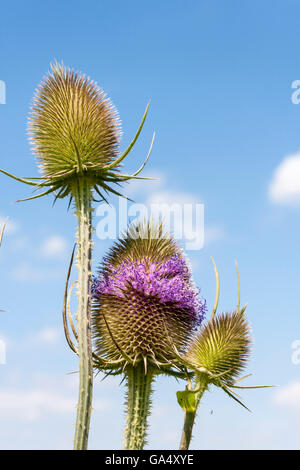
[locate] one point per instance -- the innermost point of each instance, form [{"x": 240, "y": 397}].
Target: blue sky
[{"x": 219, "y": 77}]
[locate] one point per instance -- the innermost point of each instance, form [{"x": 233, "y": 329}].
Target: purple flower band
[{"x": 170, "y": 281}]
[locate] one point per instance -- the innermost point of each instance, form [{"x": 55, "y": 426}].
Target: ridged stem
[
  {"x": 82, "y": 196},
  {"x": 189, "y": 418},
  {"x": 138, "y": 406}
]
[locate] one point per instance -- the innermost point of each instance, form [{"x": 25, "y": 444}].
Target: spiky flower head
[
  {"x": 73, "y": 125},
  {"x": 75, "y": 132},
  {"x": 221, "y": 349},
  {"x": 145, "y": 300}
]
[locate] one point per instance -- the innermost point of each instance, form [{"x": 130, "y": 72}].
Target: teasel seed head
[
  {"x": 221, "y": 349},
  {"x": 73, "y": 126},
  {"x": 75, "y": 134},
  {"x": 145, "y": 302}
]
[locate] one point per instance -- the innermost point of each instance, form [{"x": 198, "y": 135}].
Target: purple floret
[{"x": 169, "y": 281}]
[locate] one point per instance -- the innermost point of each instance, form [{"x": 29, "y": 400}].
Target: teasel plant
[
  {"x": 216, "y": 357},
  {"x": 143, "y": 289},
  {"x": 75, "y": 134}
]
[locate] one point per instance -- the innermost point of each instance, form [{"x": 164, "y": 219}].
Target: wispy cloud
[
  {"x": 30, "y": 273},
  {"x": 137, "y": 187},
  {"x": 284, "y": 187},
  {"x": 48, "y": 335},
  {"x": 213, "y": 233},
  {"x": 289, "y": 396},
  {"x": 31, "y": 404},
  {"x": 42, "y": 399},
  {"x": 54, "y": 246},
  {"x": 172, "y": 197}
]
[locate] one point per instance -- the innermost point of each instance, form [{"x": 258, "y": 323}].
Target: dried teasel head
[{"x": 145, "y": 302}]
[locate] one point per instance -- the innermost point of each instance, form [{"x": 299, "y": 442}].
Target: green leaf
[{"x": 187, "y": 400}]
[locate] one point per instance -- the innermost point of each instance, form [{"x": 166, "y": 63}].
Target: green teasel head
[
  {"x": 74, "y": 131},
  {"x": 73, "y": 126},
  {"x": 145, "y": 302},
  {"x": 220, "y": 351},
  {"x": 217, "y": 356}
]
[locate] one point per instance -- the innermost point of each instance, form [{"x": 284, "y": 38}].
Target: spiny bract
[
  {"x": 145, "y": 300},
  {"x": 221, "y": 348}
]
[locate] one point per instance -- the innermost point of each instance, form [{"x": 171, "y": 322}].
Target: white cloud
[
  {"x": 54, "y": 246},
  {"x": 289, "y": 396},
  {"x": 285, "y": 185},
  {"x": 29, "y": 273},
  {"x": 32, "y": 341},
  {"x": 48, "y": 335},
  {"x": 26, "y": 272},
  {"x": 101, "y": 405},
  {"x": 172, "y": 197},
  {"x": 213, "y": 233},
  {"x": 34, "y": 403},
  {"x": 137, "y": 187},
  {"x": 31, "y": 404}
]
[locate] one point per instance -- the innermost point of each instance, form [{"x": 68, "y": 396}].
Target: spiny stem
[
  {"x": 83, "y": 197},
  {"x": 139, "y": 393},
  {"x": 189, "y": 418}
]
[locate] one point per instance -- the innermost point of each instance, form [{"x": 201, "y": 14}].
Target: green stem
[
  {"x": 82, "y": 196},
  {"x": 139, "y": 393},
  {"x": 189, "y": 418}
]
